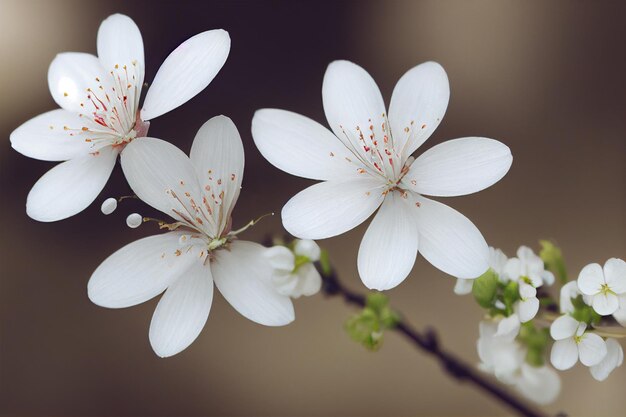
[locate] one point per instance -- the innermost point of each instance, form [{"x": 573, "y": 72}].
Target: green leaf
[
  {"x": 485, "y": 289},
  {"x": 553, "y": 258},
  {"x": 510, "y": 296},
  {"x": 325, "y": 263}
]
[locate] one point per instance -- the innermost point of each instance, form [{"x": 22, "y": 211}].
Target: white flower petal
[
  {"x": 527, "y": 290},
  {"x": 614, "y": 358},
  {"x": 591, "y": 279},
  {"x": 539, "y": 384},
  {"x": 527, "y": 309},
  {"x": 620, "y": 314},
  {"x": 120, "y": 43},
  {"x": 152, "y": 167},
  {"x": 459, "y": 167},
  {"x": 70, "y": 187},
  {"x": 331, "y": 208},
  {"x": 45, "y": 137},
  {"x": 301, "y": 146},
  {"x": 389, "y": 247},
  {"x": 186, "y": 72},
  {"x": 243, "y": 276},
  {"x": 182, "y": 311},
  {"x": 569, "y": 291},
  {"x": 351, "y": 98},
  {"x": 70, "y": 75},
  {"x": 450, "y": 241},
  {"x": 418, "y": 102},
  {"x": 463, "y": 286},
  {"x": 508, "y": 328},
  {"x": 308, "y": 248},
  {"x": 615, "y": 275},
  {"x": 513, "y": 268},
  {"x": 592, "y": 349},
  {"x": 563, "y": 327},
  {"x": 281, "y": 258},
  {"x": 547, "y": 278},
  {"x": 217, "y": 156},
  {"x": 564, "y": 354},
  {"x": 605, "y": 304},
  {"x": 309, "y": 280},
  {"x": 138, "y": 271},
  {"x": 497, "y": 262}
]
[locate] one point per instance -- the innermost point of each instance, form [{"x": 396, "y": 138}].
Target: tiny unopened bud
[
  {"x": 134, "y": 220},
  {"x": 108, "y": 206}
]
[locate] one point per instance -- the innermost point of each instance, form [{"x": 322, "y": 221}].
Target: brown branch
[{"x": 429, "y": 343}]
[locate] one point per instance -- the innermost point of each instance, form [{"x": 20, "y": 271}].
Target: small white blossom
[
  {"x": 604, "y": 285},
  {"x": 100, "y": 115},
  {"x": 528, "y": 264},
  {"x": 528, "y": 305},
  {"x": 365, "y": 166},
  {"x": 540, "y": 384},
  {"x": 497, "y": 261},
  {"x": 294, "y": 273},
  {"x": 613, "y": 359},
  {"x": 500, "y": 356},
  {"x": 201, "y": 249},
  {"x": 573, "y": 342}
]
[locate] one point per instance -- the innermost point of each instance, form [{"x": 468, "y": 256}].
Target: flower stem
[{"x": 429, "y": 343}]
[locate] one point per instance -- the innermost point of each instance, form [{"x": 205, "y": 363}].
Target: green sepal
[
  {"x": 368, "y": 326},
  {"x": 485, "y": 289}
]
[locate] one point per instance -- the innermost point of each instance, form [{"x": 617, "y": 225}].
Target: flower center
[{"x": 606, "y": 290}]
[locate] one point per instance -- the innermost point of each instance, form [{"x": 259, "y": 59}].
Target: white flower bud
[
  {"x": 134, "y": 220},
  {"x": 108, "y": 206}
]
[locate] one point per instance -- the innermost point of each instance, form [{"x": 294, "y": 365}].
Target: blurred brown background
[{"x": 546, "y": 78}]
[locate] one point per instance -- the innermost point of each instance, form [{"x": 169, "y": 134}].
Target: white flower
[
  {"x": 540, "y": 384},
  {"x": 366, "y": 165},
  {"x": 99, "y": 99},
  {"x": 528, "y": 265},
  {"x": 613, "y": 359},
  {"x": 500, "y": 356},
  {"x": 199, "y": 192},
  {"x": 620, "y": 313},
  {"x": 573, "y": 342},
  {"x": 604, "y": 286},
  {"x": 294, "y": 272},
  {"x": 528, "y": 305}
]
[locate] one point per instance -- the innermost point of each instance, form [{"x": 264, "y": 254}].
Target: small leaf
[
  {"x": 325, "y": 263},
  {"x": 485, "y": 289},
  {"x": 553, "y": 258}
]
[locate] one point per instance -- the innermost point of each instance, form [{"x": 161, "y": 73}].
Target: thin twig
[{"x": 429, "y": 342}]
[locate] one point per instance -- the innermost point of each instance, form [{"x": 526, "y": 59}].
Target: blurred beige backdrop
[{"x": 546, "y": 78}]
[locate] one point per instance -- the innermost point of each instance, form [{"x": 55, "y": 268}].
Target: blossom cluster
[{"x": 523, "y": 319}]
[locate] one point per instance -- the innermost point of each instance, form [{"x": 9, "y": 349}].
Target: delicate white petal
[
  {"x": 154, "y": 169},
  {"x": 389, "y": 247},
  {"x": 591, "y": 279},
  {"x": 68, "y": 188},
  {"x": 351, "y": 98},
  {"x": 281, "y": 258},
  {"x": 309, "y": 280},
  {"x": 308, "y": 248},
  {"x": 614, "y": 358},
  {"x": 497, "y": 262},
  {"x": 463, "y": 286},
  {"x": 243, "y": 276},
  {"x": 450, "y": 241},
  {"x": 592, "y": 349},
  {"x": 569, "y": 291},
  {"x": 539, "y": 384},
  {"x": 564, "y": 354},
  {"x": 217, "y": 156},
  {"x": 331, "y": 208},
  {"x": 527, "y": 309},
  {"x": 605, "y": 304},
  {"x": 182, "y": 311},
  {"x": 620, "y": 314},
  {"x": 70, "y": 75},
  {"x": 138, "y": 271},
  {"x": 120, "y": 43},
  {"x": 186, "y": 72},
  {"x": 508, "y": 328},
  {"x": 563, "y": 327},
  {"x": 527, "y": 290},
  {"x": 52, "y": 136},
  {"x": 615, "y": 275},
  {"x": 301, "y": 146},
  {"x": 418, "y": 102},
  {"x": 547, "y": 277},
  {"x": 513, "y": 268},
  {"x": 459, "y": 167}
]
